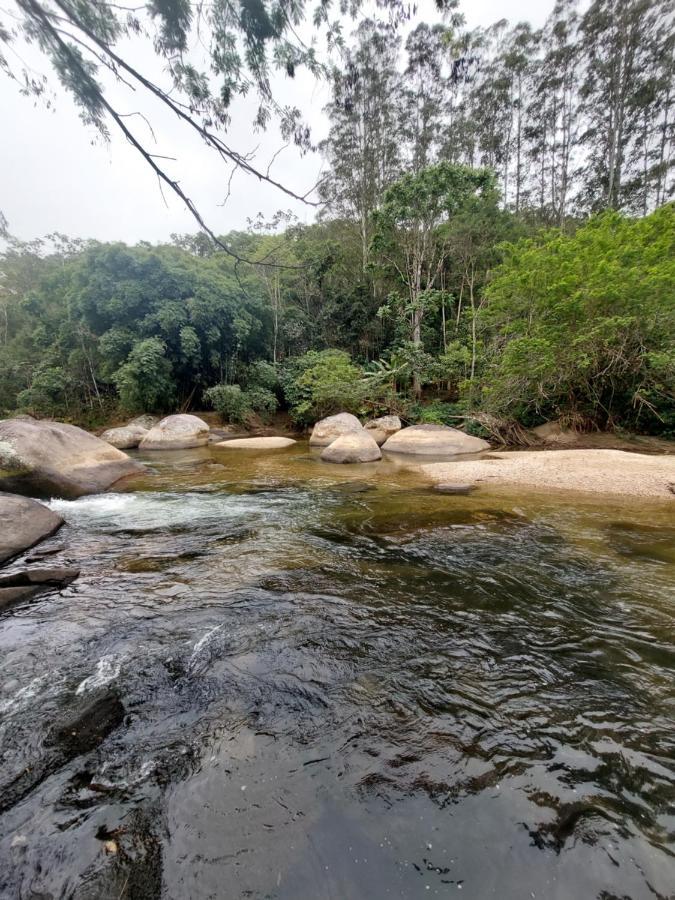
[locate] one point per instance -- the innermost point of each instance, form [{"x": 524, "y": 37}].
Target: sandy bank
[{"x": 591, "y": 471}]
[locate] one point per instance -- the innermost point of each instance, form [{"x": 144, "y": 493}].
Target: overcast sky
[{"x": 58, "y": 175}]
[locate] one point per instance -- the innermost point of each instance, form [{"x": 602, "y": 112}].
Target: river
[{"x": 332, "y": 682}]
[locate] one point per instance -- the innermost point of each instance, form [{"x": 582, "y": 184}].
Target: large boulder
[
  {"x": 25, "y": 523},
  {"x": 125, "y": 437},
  {"x": 353, "y": 447},
  {"x": 257, "y": 443},
  {"x": 180, "y": 432},
  {"x": 327, "y": 430},
  {"x": 381, "y": 429},
  {"x": 51, "y": 458},
  {"x": 434, "y": 440}
]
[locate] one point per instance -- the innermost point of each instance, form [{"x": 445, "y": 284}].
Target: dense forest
[{"x": 496, "y": 244}]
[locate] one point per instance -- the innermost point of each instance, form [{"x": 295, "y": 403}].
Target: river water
[{"x": 331, "y": 682}]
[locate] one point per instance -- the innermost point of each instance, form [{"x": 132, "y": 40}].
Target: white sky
[{"x": 58, "y": 175}]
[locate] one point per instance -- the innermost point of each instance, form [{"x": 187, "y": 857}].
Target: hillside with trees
[{"x": 496, "y": 241}]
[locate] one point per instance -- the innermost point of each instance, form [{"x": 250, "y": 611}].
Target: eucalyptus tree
[
  {"x": 209, "y": 55},
  {"x": 363, "y": 147},
  {"x": 619, "y": 38},
  {"x": 553, "y": 114},
  {"x": 424, "y": 92},
  {"x": 410, "y": 243}
]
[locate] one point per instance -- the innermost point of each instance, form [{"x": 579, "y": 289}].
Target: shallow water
[{"x": 339, "y": 684}]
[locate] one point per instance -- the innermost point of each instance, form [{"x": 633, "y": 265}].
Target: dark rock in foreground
[
  {"x": 25, "y": 523},
  {"x": 54, "y": 459},
  {"x": 78, "y": 731},
  {"x": 21, "y": 585},
  {"x": 87, "y": 724}
]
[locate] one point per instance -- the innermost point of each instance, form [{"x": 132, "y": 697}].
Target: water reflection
[{"x": 336, "y": 683}]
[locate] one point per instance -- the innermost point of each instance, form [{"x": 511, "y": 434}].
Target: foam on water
[
  {"x": 142, "y": 511},
  {"x": 107, "y": 670}
]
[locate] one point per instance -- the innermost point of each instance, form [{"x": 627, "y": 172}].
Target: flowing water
[{"x": 311, "y": 681}]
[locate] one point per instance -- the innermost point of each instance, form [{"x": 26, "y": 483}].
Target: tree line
[{"x": 495, "y": 247}]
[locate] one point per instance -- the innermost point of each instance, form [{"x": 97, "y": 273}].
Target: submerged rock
[
  {"x": 448, "y": 488},
  {"x": 55, "y": 459},
  {"x": 329, "y": 429},
  {"x": 83, "y": 727},
  {"x": 25, "y": 522},
  {"x": 257, "y": 443},
  {"x": 358, "y": 447},
  {"x": 434, "y": 440},
  {"x": 381, "y": 429},
  {"x": 180, "y": 432},
  {"x": 125, "y": 437}
]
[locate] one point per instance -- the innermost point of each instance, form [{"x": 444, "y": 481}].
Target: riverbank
[{"x": 615, "y": 472}]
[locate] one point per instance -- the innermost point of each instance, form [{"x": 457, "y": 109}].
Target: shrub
[
  {"x": 46, "y": 394},
  {"x": 585, "y": 324},
  {"x": 321, "y": 383},
  {"x": 230, "y": 402},
  {"x": 144, "y": 382},
  {"x": 261, "y": 374},
  {"x": 262, "y": 401}
]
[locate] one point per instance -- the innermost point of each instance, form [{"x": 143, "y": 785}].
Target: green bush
[
  {"x": 144, "y": 382},
  {"x": 47, "y": 392},
  {"x": 230, "y": 402},
  {"x": 262, "y": 401},
  {"x": 584, "y": 324},
  {"x": 261, "y": 374},
  {"x": 320, "y": 383}
]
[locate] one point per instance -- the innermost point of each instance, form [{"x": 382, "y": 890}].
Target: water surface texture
[{"x": 330, "y": 682}]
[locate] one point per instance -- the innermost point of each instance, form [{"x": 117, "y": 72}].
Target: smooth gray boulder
[
  {"x": 24, "y": 523},
  {"x": 381, "y": 429},
  {"x": 257, "y": 443},
  {"x": 55, "y": 459},
  {"x": 126, "y": 437},
  {"x": 179, "y": 432},
  {"x": 329, "y": 429},
  {"x": 145, "y": 421},
  {"x": 355, "y": 447},
  {"x": 434, "y": 440}
]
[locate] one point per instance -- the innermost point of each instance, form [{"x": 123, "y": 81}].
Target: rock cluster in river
[
  {"x": 55, "y": 459},
  {"x": 346, "y": 440}
]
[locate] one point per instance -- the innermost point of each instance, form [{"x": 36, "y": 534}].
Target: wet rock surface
[{"x": 311, "y": 691}]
